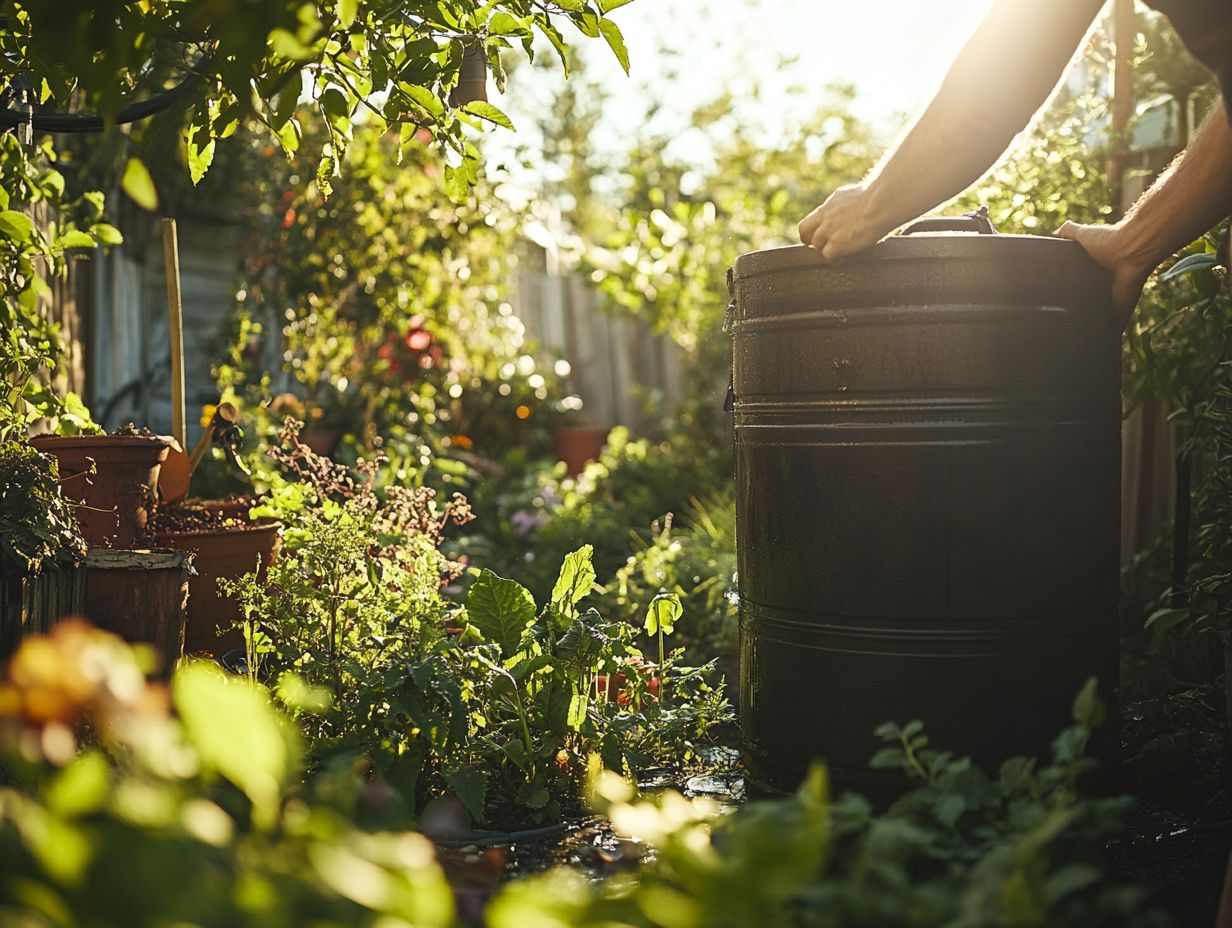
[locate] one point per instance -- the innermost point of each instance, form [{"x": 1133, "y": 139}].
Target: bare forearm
[
  {"x": 1005, "y": 72},
  {"x": 1193, "y": 194}
]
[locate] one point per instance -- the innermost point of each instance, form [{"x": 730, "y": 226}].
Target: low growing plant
[
  {"x": 125, "y": 804},
  {"x": 502, "y": 704},
  {"x": 963, "y": 849},
  {"x": 37, "y": 527}
]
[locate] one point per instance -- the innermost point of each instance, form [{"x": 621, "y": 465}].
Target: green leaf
[
  {"x": 139, "y": 185},
  {"x": 75, "y": 238},
  {"x": 81, "y": 787},
  {"x": 286, "y": 44},
  {"x": 887, "y": 759},
  {"x": 581, "y": 642},
  {"x": 199, "y": 159},
  {"x": 503, "y": 23},
  {"x": 299, "y": 694},
  {"x": 949, "y": 809},
  {"x": 457, "y": 185},
  {"x": 577, "y": 710},
  {"x": 17, "y": 226},
  {"x": 533, "y": 795},
  {"x": 606, "y": 6},
  {"x": 106, "y": 234},
  {"x": 237, "y": 733},
  {"x": 665, "y": 610},
  {"x": 346, "y": 12},
  {"x": 501, "y": 609},
  {"x": 1088, "y": 707},
  {"x": 1162, "y": 620},
  {"x": 423, "y": 97},
  {"x": 470, "y": 785},
  {"x": 616, "y": 40},
  {"x": 576, "y": 579},
  {"x": 489, "y": 112}
]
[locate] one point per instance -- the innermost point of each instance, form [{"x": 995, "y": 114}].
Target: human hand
[
  {"x": 1107, "y": 246},
  {"x": 841, "y": 225}
]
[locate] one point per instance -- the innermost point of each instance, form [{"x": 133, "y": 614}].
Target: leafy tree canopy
[{"x": 399, "y": 62}]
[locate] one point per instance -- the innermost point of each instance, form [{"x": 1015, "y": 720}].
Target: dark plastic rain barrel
[{"x": 928, "y": 482}]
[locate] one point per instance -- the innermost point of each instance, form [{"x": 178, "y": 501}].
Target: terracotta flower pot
[
  {"x": 226, "y": 551},
  {"x": 619, "y": 690},
  {"x": 324, "y": 441},
  {"x": 578, "y": 445},
  {"x": 115, "y": 497}
]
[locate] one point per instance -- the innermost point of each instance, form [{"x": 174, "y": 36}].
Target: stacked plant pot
[
  {"x": 137, "y": 593},
  {"x": 227, "y": 544},
  {"x": 113, "y": 478}
]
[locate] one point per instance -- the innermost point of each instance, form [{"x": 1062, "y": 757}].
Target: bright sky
[
  {"x": 685, "y": 52},
  {"x": 894, "y": 51}
]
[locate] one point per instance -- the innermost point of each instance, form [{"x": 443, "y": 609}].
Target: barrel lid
[{"x": 925, "y": 246}]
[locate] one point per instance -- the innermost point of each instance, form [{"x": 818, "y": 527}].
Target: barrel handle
[{"x": 974, "y": 221}]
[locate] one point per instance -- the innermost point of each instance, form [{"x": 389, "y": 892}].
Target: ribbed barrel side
[{"x": 928, "y": 466}]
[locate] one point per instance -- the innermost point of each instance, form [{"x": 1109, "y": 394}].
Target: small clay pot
[
  {"x": 115, "y": 498},
  {"x": 324, "y": 441},
  {"x": 578, "y": 445},
  {"x": 226, "y": 551}
]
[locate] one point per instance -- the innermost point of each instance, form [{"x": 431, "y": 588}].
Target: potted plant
[
  {"x": 227, "y": 544},
  {"x": 40, "y": 546},
  {"x": 112, "y": 477},
  {"x": 578, "y": 444}
]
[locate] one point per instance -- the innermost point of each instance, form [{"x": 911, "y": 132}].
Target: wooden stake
[
  {"x": 1124, "y": 28},
  {"x": 175, "y": 326}
]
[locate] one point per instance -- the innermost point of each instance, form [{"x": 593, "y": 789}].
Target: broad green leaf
[
  {"x": 576, "y": 579},
  {"x": 587, "y": 24},
  {"x": 139, "y": 185},
  {"x": 287, "y": 44},
  {"x": 17, "y": 226},
  {"x": 606, "y": 6},
  {"x": 237, "y": 732},
  {"x": 1161, "y": 620},
  {"x": 534, "y": 795},
  {"x": 75, "y": 238},
  {"x": 299, "y": 694},
  {"x": 503, "y": 23},
  {"x": 424, "y": 97},
  {"x": 1088, "y": 707},
  {"x": 199, "y": 159},
  {"x": 334, "y": 102},
  {"x": 558, "y": 43},
  {"x": 457, "y": 186},
  {"x": 346, "y": 12},
  {"x": 581, "y": 642},
  {"x": 81, "y": 787},
  {"x": 616, "y": 40},
  {"x": 577, "y": 710},
  {"x": 470, "y": 785},
  {"x": 501, "y": 609},
  {"x": 489, "y": 112},
  {"x": 665, "y": 610}
]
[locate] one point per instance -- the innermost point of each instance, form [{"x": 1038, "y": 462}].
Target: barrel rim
[{"x": 921, "y": 246}]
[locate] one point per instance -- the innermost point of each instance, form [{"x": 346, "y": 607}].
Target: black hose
[{"x": 92, "y": 122}]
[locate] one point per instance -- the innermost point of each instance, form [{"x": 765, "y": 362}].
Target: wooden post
[
  {"x": 1124, "y": 28},
  {"x": 175, "y": 326}
]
